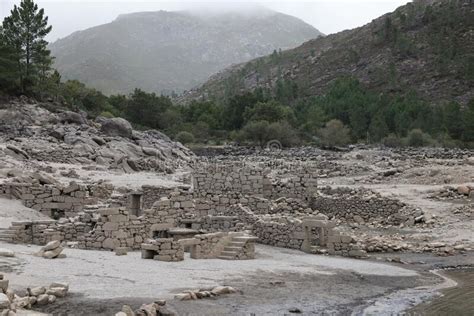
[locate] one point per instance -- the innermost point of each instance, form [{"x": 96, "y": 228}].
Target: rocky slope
[
  {"x": 426, "y": 45},
  {"x": 43, "y": 132},
  {"x": 165, "y": 51}
]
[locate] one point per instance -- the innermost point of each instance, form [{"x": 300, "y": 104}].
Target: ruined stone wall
[
  {"x": 162, "y": 249},
  {"x": 353, "y": 206},
  {"x": 222, "y": 178},
  {"x": 209, "y": 246},
  {"x": 55, "y": 200},
  {"x": 41, "y": 232},
  {"x": 151, "y": 194},
  {"x": 302, "y": 185}
]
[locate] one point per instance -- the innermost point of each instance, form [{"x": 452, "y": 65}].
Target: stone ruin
[{"x": 283, "y": 209}]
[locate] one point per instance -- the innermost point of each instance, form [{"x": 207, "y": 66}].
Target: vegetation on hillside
[{"x": 347, "y": 112}]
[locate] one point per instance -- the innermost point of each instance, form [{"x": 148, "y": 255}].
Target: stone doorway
[{"x": 135, "y": 203}]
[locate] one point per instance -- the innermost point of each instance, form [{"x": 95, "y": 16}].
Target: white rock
[
  {"x": 4, "y": 301},
  {"x": 6, "y": 253}
]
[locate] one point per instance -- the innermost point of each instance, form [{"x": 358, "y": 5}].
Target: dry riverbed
[{"x": 277, "y": 281}]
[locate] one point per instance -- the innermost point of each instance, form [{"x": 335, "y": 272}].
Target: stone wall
[
  {"x": 52, "y": 200},
  {"x": 249, "y": 180},
  {"x": 222, "y": 178},
  {"x": 162, "y": 249},
  {"x": 209, "y": 246},
  {"x": 41, "y": 232},
  {"x": 359, "y": 206},
  {"x": 151, "y": 194}
]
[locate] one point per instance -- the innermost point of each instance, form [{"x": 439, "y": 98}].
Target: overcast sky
[{"x": 329, "y": 16}]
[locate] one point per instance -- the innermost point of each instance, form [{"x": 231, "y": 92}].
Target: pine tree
[
  {"x": 8, "y": 69},
  {"x": 25, "y": 30}
]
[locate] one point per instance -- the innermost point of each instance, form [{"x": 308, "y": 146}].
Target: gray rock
[
  {"x": 117, "y": 127},
  {"x": 72, "y": 118}
]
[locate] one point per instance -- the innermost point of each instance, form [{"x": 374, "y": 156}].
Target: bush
[
  {"x": 392, "y": 141},
  {"x": 185, "y": 137},
  {"x": 284, "y": 133},
  {"x": 417, "y": 138},
  {"x": 106, "y": 114},
  {"x": 334, "y": 134}
]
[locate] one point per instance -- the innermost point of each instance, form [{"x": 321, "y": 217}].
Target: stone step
[
  {"x": 243, "y": 238},
  {"x": 237, "y": 244},
  {"x": 229, "y": 253},
  {"x": 226, "y": 257},
  {"x": 232, "y": 248}
]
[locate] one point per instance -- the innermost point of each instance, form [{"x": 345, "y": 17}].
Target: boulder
[
  {"x": 44, "y": 178},
  {"x": 43, "y": 299},
  {"x": 37, "y": 291},
  {"x": 6, "y": 253},
  {"x": 116, "y": 127},
  {"x": 4, "y": 301},
  {"x": 51, "y": 245},
  {"x": 57, "y": 291},
  {"x": 53, "y": 253},
  {"x": 219, "y": 290},
  {"x": 72, "y": 118},
  {"x": 463, "y": 189},
  {"x": 127, "y": 310}
]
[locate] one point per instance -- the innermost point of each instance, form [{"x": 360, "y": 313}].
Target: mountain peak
[{"x": 166, "y": 51}]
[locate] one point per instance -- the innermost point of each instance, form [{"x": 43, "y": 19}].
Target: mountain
[
  {"x": 426, "y": 46},
  {"x": 173, "y": 51}
]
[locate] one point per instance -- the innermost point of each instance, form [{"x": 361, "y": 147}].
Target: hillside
[
  {"x": 172, "y": 51},
  {"x": 426, "y": 46}
]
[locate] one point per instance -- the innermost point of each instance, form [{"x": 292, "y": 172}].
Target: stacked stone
[
  {"x": 151, "y": 194},
  {"x": 162, "y": 249},
  {"x": 50, "y": 198},
  {"x": 302, "y": 185},
  {"x": 361, "y": 207},
  {"x": 209, "y": 245},
  {"x": 115, "y": 228},
  {"x": 222, "y": 223},
  {"x": 10, "y": 302},
  {"x": 223, "y": 178},
  {"x": 285, "y": 235}
]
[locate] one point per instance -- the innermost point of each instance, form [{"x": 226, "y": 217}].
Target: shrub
[
  {"x": 185, "y": 137},
  {"x": 334, "y": 134},
  {"x": 106, "y": 114},
  {"x": 392, "y": 140},
  {"x": 417, "y": 138}
]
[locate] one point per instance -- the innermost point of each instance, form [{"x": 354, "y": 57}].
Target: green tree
[
  {"x": 25, "y": 30},
  {"x": 185, "y": 137},
  {"x": 146, "y": 109},
  {"x": 468, "y": 123},
  {"x": 8, "y": 65},
  {"x": 271, "y": 111},
  {"x": 334, "y": 134},
  {"x": 256, "y": 132}
]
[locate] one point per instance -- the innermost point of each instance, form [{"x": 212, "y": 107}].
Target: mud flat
[
  {"x": 455, "y": 300},
  {"x": 277, "y": 281}
]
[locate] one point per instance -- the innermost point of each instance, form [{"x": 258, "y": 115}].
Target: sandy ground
[
  {"x": 14, "y": 210},
  {"x": 100, "y": 281}
]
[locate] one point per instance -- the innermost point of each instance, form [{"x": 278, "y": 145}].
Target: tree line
[{"x": 346, "y": 113}]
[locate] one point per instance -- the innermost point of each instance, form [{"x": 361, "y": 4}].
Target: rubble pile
[
  {"x": 11, "y": 303},
  {"x": 157, "y": 308},
  {"x": 204, "y": 293}
]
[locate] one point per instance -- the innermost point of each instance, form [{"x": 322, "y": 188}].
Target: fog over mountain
[
  {"x": 328, "y": 16},
  {"x": 172, "y": 51}
]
